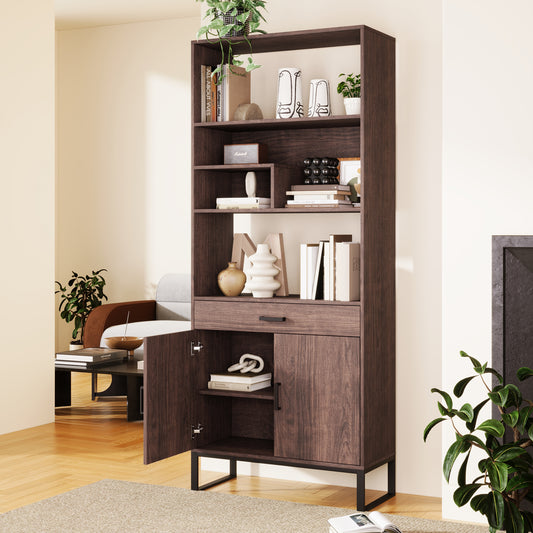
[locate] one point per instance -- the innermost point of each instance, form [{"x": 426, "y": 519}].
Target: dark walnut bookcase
[{"x": 332, "y": 404}]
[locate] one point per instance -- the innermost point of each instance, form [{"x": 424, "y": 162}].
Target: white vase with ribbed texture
[{"x": 262, "y": 272}]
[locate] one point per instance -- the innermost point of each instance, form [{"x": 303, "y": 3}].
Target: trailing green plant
[
  {"x": 351, "y": 86},
  {"x": 505, "y": 482},
  {"x": 246, "y": 18},
  {"x": 79, "y": 297}
]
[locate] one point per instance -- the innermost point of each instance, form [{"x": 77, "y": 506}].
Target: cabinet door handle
[
  {"x": 277, "y": 406},
  {"x": 272, "y": 318}
]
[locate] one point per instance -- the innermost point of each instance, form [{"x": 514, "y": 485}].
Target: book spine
[
  {"x": 214, "y": 100},
  {"x": 203, "y": 102},
  {"x": 207, "y": 90},
  {"x": 303, "y": 271},
  {"x": 348, "y": 268},
  {"x": 219, "y": 101}
]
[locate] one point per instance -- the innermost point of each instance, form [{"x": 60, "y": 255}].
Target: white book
[
  {"x": 244, "y": 387},
  {"x": 237, "y": 377},
  {"x": 373, "y": 522},
  {"x": 348, "y": 271},
  {"x": 91, "y": 355},
  {"x": 328, "y": 202},
  {"x": 326, "y": 266},
  {"x": 303, "y": 271},
  {"x": 308, "y": 258},
  {"x": 333, "y": 240},
  {"x": 236, "y": 200},
  {"x": 317, "y": 292},
  {"x": 306, "y": 198}
]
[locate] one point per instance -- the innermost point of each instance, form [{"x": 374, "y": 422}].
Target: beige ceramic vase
[{"x": 231, "y": 280}]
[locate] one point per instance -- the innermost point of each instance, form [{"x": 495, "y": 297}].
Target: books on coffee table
[{"x": 89, "y": 357}]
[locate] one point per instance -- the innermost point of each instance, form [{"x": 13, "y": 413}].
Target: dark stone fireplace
[{"x": 512, "y": 307}]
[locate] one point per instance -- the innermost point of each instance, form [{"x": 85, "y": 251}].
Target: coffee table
[{"x": 130, "y": 372}]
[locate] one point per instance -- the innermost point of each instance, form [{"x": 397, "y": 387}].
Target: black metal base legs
[
  {"x": 195, "y": 473},
  {"x": 391, "y": 488},
  {"x": 361, "y": 503}
]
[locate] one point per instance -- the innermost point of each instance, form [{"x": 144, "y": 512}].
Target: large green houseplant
[
  {"x": 505, "y": 480},
  {"x": 79, "y": 296},
  {"x": 227, "y": 20}
]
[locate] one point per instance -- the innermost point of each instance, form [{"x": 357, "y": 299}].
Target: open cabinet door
[{"x": 168, "y": 395}]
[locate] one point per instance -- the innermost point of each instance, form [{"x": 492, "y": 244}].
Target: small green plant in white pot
[{"x": 350, "y": 88}]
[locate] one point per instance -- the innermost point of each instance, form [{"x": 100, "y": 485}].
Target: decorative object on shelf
[
  {"x": 289, "y": 93},
  {"x": 321, "y": 170},
  {"x": 248, "y": 112},
  {"x": 124, "y": 343},
  {"x": 78, "y": 298},
  {"x": 262, "y": 272},
  {"x": 231, "y": 280},
  {"x": 506, "y": 467},
  {"x": 319, "y": 103},
  {"x": 244, "y": 154},
  {"x": 226, "y": 20},
  {"x": 250, "y": 184},
  {"x": 244, "y": 247},
  {"x": 350, "y": 174},
  {"x": 350, "y": 88},
  {"x": 248, "y": 362}
]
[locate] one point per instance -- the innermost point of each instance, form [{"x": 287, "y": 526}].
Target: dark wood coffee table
[{"x": 127, "y": 370}]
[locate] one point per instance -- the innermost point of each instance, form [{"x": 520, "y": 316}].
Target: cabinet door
[
  {"x": 168, "y": 368},
  {"x": 318, "y": 417}
]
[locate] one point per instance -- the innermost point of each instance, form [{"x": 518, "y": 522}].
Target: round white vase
[
  {"x": 262, "y": 272},
  {"x": 352, "y": 106}
]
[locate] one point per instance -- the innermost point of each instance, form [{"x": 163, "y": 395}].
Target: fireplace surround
[{"x": 512, "y": 307}]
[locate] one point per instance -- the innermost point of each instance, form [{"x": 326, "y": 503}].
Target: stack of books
[
  {"x": 89, "y": 357},
  {"x": 220, "y": 100},
  {"x": 245, "y": 202},
  {"x": 325, "y": 195},
  {"x": 330, "y": 269},
  {"x": 247, "y": 382}
]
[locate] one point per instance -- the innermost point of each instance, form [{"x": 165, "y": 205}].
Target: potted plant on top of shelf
[
  {"x": 78, "y": 298},
  {"x": 350, "y": 88},
  {"x": 227, "y": 19},
  {"x": 503, "y": 488}
]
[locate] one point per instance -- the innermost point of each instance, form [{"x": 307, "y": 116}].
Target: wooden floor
[{"x": 91, "y": 441}]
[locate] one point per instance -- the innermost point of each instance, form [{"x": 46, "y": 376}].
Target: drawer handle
[{"x": 273, "y": 318}]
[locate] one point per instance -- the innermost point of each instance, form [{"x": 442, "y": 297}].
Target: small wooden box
[{"x": 242, "y": 154}]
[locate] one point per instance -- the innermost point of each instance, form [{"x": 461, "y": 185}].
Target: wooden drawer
[{"x": 302, "y": 318}]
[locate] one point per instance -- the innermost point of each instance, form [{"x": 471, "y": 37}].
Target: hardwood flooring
[{"x": 90, "y": 441}]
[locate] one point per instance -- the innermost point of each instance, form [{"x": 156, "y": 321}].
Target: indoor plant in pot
[
  {"x": 505, "y": 481},
  {"x": 227, "y": 20},
  {"x": 350, "y": 88},
  {"x": 78, "y": 298}
]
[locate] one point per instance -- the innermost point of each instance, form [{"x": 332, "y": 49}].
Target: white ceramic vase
[
  {"x": 289, "y": 93},
  {"x": 319, "y": 105},
  {"x": 262, "y": 272},
  {"x": 352, "y": 106}
]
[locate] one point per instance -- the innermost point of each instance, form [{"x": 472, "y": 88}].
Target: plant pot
[
  {"x": 352, "y": 106},
  {"x": 232, "y": 19},
  {"x": 75, "y": 345}
]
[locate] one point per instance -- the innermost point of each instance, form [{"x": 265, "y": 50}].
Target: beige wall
[
  {"x": 27, "y": 214},
  {"x": 487, "y": 172},
  {"x": 124, "y": 155}
]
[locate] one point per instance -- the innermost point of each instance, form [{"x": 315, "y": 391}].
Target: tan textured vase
[{"x": 231, "y": 280}]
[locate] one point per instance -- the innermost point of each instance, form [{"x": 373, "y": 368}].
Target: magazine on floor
[{"x": 373, "y": 522}]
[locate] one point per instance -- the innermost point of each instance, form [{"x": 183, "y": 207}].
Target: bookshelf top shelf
[
  {"x": 296, "y": 40},
  {"x": 283, "y": 124}
]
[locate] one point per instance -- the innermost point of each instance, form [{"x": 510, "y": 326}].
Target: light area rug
[{"x": 121, "y": 506}]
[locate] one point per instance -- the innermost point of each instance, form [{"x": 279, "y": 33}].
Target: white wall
[
  {"x": 417, "y": 26},
  {"x": 124, "y": 155},
  {"x": 27, "y": 214},
  {"x": 487, "y": 170}
]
